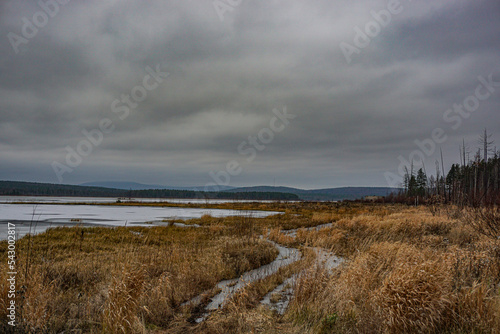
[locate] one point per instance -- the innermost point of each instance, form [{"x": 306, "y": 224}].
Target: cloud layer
[{"x": 353, "y": 119}]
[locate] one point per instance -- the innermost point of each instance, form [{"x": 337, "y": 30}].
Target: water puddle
[
  {"x": 293, "y": 233},
  {"x": 285, "y": 257},
  {"x": 229, "y": 287},
  {"x": 280, "y": 297}
]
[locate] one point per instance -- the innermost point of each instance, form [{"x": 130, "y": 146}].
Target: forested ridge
[{"x": 15, "y": 188}]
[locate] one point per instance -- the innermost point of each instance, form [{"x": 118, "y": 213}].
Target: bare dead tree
[{"x": 486, "y": 142}]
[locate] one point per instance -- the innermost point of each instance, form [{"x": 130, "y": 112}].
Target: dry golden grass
[
  {"x": 407, "y": 270},
  {"x": 123, "y": 280},
  {"x": 120, "y": 312}
]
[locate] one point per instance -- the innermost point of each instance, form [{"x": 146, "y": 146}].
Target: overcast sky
[{"x": 350, "y": 108}]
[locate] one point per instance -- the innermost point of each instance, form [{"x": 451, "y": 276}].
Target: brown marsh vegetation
[{"x": 406, "y": 269}]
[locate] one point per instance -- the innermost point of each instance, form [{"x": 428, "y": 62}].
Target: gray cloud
[{"x": 353, "y": 120}]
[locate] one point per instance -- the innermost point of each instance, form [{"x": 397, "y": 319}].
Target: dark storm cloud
[
  {"x": 455, "y": 30},
  {"x": 352, "y": 121}
]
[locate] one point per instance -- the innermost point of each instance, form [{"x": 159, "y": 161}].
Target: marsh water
[{"x": 47, "y": 213}]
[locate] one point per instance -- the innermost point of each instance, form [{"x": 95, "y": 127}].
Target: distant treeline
[
  {"x": 13, "y": 188},
  {"x": 471, "y": 182}
]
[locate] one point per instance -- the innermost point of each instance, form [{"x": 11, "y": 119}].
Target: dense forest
[
  {"x": 471, "y": 182},
  {"x": 13, "y": 188},
  {"x": 328, "y": 194}
]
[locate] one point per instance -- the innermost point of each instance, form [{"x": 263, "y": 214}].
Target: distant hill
[
  {"x": 138, "y": 190},
  {"x": 328, "y": 194},
  {"x": 122, "y": 185},
  {"x": 14, "y": 188},
  {"x": 139, "y": 186}
]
